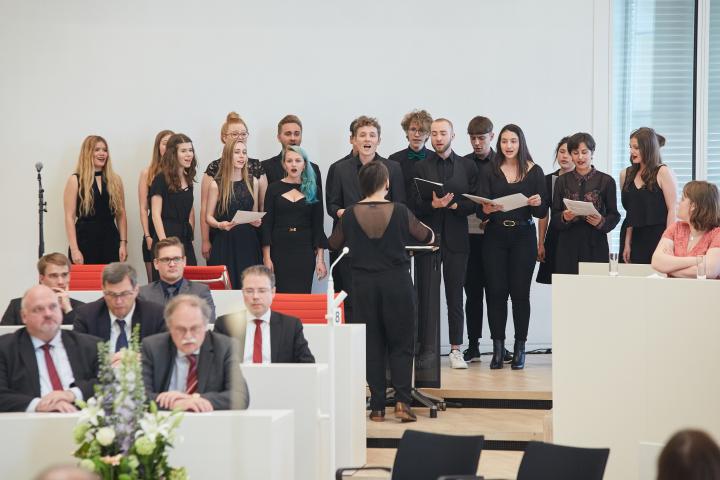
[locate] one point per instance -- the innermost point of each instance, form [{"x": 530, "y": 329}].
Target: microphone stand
[{"x": 41, "y": 211}]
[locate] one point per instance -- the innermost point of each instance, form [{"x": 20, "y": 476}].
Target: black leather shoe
[
  {"x": 498, "y": 351},
  {"x": 377, "y": 415},
  {"x": 472, "y": 354},
  {"x": 518, "y": 362},
  {"x": 508, "y": 356}
]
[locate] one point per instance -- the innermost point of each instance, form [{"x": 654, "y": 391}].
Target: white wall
[{"x": 126, "y": 70}]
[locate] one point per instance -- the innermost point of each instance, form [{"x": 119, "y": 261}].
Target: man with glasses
[
  {"x": 170, "y": 264},
  {"x": 114, "y": 316},
  {"x": 416, "y": 125},
  {"x": 54, "y": 272},
  {"x": 264, "y": 336}
]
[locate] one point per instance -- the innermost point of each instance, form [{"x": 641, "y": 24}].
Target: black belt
[{"x": 513, "y": 223}]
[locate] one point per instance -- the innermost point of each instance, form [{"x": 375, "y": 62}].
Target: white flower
[
  {"x": 91, "y": 413},
  {"x": 105, "y": 436}
]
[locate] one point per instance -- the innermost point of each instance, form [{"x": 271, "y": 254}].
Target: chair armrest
[{"x": 340, "y": 471}]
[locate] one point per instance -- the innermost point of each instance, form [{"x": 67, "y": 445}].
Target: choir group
[{"x": 485, "y": 248}]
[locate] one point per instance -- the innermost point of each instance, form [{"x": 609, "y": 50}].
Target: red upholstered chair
[
  {"x": 86, "y": 277},
  {"x": 215, "y": 276},
  {"x": 309, "y": 308}
]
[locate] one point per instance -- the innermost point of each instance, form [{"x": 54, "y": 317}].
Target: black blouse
[
  {"x": 494, "y": 185},
  {"x": 596, "y": 187},
  {"x": 282, "y": 213},
  {"x": 644, "y": 207},
  {"x": 176, "y": 206},
  {"x": 101, "y": 203},
  {"x": 254, "y": 167}
]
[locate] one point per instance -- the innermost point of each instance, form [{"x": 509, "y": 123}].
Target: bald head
[{"x": 41, "y": 312}]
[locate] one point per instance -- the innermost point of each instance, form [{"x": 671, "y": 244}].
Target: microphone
[
  {"x": 38, "y": 166},
  {"x": 343, "y": 252}
]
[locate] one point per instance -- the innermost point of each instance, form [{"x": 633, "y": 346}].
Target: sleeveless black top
[{"x": 644, "y": 207}]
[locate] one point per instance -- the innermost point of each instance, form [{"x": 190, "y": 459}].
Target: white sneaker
[{"x": 456, "y": 359}]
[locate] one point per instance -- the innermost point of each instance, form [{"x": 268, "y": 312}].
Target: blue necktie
[{"x": 122, "y": 340}]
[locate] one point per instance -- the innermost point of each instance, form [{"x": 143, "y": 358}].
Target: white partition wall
[
  {"x": 219, "y": 445},
  {"x": 634, "y": 360}
]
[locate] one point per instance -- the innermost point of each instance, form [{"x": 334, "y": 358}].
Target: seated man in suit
[
  {"x": 170, "y": 264},
  {"x": 44, "y": 368},
  {"x": 270, "y": 337},
  {"x": 190, "y": 368},
  {"x": 114, "y": 316},
  {"x": 54, "y": 272}
]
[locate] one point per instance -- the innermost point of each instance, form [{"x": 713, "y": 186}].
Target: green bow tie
[{"x": 413, "y": 155}]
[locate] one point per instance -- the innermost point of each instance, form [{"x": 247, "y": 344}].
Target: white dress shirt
[
  {"x": 115, "y": 328},
  {"x": 178, "y": 379},
  {"x": 250, "y": 338},
  {"x": 62, "y": 365}
]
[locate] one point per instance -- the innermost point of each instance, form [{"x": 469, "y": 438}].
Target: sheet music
[
  {"x": 581, "y": 209},
  {"x": 475, "y": 225},
  {"x": 242, "y": 216},
  {"x": 508, "y": 202}
]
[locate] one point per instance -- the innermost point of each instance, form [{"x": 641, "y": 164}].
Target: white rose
[{"x": 105, "y": 436}]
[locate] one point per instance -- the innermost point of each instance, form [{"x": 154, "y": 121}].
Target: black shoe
[
  {"x": 507, "y": 356},
  {"x": 497, "y": 358},
  {"x": 472, "y": 354},
  {"x": 518, "y": 362}
]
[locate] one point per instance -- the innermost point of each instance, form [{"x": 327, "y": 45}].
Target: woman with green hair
[{"x": 293, "y": 240}]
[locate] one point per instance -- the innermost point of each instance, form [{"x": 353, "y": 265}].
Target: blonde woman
[
  {"x": 94, "y": 202},
  {"x": 234, "y": 128},
  {"x": 236, "y": 246},
  {"x": 146, "y": 177}
]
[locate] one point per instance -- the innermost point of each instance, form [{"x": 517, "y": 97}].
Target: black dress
[
  {"x": 254, "y": 168},
  {"x": 97, "y": 235},
  {"x": 175, "y": 214},
  {"x": 293, "y": 230},
  {"x": 547, "y": 268},
  {"x": 646, "y": 212},
  {"x": 578, "y": 241},
  {"x": 239, "y": 247},
  {"x": 377, "y": 233}
]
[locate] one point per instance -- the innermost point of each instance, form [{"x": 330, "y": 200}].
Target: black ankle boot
[
  {"x": 518, "y": 362},
  {"x": 498, "y": 351}
]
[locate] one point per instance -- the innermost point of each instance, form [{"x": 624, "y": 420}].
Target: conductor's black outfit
[
  {"x": 377, "y": 233},
  {"x": 458, "y": 175}
]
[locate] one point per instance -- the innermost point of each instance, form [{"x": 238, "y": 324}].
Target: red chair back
[
  {"x": 309, "y": 308},
  {"x": 86, "y": 277},
  {"x": 215, "y": 276}
]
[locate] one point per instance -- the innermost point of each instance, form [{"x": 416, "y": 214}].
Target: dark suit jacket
[
  {"x": 19, "y": 377},
  {"x": 274, "y": 171},
  {"x": 287, "y": 342},
  {"x": 220, "y": 380},
  {"x": 12, "y": 313},
  {"x": 451, "y": 225},
  {"x": 94, "y": 318},
  {"x": 409, "y": 171},
  {"x": 154, "y": 292},
  {"x": 343, "y": 187}
]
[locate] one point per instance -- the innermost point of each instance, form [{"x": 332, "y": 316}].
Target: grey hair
[
  {"x": 187, "y": 299},
  {"x": 116, "y": 272}
]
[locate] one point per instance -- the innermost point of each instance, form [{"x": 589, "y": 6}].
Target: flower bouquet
[{"x": 120, "y": 437}]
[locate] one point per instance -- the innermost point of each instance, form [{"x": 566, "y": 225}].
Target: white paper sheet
[
  {"x": 509, "y": 202},
  {"x": 241, "y": 216},
  {"x": 581, "y": 209},
  {"x": 475, "y": 225}
]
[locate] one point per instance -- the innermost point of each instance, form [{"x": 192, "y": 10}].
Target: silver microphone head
[{"x": 38, "y": 166}]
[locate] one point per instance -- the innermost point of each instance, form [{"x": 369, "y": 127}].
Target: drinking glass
[
  {"x": 701, "y": 271},
  {"x": 614, "y": 264}
]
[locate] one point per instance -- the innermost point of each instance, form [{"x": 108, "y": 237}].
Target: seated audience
[
  {"x": 270, "y": 337},
  {"x": 114, "y": 316},
  {"x": 190, "y": 368},
  {"x": 54, "y": 272},
  {"x": 689, "y": 455},
  {"x": 696, "y": 233},
  {"x": 44, "y": 368},
  {"x": 169, "y": 261}
]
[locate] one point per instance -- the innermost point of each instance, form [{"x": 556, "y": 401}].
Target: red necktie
[
  {"x": 257, "y": 342},
  {"x": 52, "y": 372},
  {"x": 192, "y": 380}
]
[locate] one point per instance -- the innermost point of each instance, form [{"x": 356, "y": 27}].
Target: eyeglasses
[
  {"x": 419, "y": 131},
  {"x": 238, "y": 134},
  {"x": 114, "y": 295},
  {"x": 167, "y": 260}
]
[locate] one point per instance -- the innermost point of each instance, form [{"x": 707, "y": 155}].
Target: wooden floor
[{"x": 496, "y": 424}]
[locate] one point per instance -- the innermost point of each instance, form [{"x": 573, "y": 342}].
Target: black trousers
[
  {"x": 453, "y": 271},
  {"x": 474, "y": 289},
  {"x": 385, "y": 300},
  {"x": 509, "y": 255},
  {"x": 343, "y": 280}
]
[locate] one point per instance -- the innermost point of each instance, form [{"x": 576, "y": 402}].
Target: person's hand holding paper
[{"x": 581, "y": 209}]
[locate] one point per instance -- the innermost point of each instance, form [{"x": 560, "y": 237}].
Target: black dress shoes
[
  {"x": 498, "y": 354},
  {"x": 518, "y": 362}
]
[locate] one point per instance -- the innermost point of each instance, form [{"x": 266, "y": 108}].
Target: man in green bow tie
[{"x": 416, "y": 125}]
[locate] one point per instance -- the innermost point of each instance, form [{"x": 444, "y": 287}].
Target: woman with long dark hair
[
  {"x": 510, "y": 248},
  {"x": 94, "y": 201},
  {"x": 649, "y": 194},
  {"x": 171, "y": 194}
]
